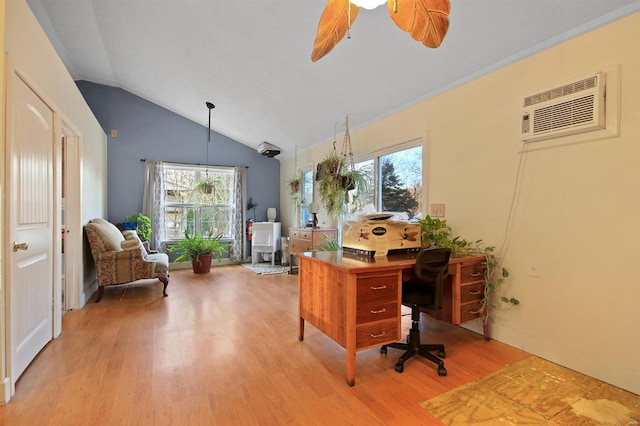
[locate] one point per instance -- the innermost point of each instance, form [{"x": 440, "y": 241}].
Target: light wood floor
[{"x": 223, "y": 349}]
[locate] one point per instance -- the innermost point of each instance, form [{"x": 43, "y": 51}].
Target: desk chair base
[{"x": 413, "y": 347}]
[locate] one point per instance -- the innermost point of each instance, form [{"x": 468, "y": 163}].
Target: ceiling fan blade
[
  {"x": 333, "y": 25},
  {"x": 426, "y": 20}
]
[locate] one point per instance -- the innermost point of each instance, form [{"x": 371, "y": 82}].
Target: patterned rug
[
  {"x": 536, "y": 391},
  {"x": 266, "y": 268}
]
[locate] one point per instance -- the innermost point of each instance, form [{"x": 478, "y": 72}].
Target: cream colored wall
[
  {"x": 33, "y": 55},
  {"x": 577, "y": 206}
]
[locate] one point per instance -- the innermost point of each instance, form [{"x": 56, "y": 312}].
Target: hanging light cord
[{"x": 210, "y": 106}]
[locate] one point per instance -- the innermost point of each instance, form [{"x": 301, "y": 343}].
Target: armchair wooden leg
[
  {"x": 100, "y": 293},
  {"x": 165, "y": 281}
]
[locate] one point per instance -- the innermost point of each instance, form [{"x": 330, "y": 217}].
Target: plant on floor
[
  {"x": 437, "y": 233},
  {"x": 198, "y": 248}
]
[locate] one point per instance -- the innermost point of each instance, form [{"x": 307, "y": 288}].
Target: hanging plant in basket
[
  {"x": 206, "y": 185},
  {"x": 336, "y": 176},
  {"x": 295, "y": 189}
]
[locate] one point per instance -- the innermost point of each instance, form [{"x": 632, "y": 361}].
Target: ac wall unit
[{"x": 570, "y": 108}]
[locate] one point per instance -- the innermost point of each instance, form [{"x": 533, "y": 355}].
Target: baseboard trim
[
  {"x": 585, "y": 363},
  {"x": 6, "y": 382}
]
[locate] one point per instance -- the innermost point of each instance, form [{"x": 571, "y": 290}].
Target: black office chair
[{"x": 425, "y": 291}]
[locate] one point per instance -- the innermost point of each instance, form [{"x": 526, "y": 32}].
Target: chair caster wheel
[
  {"x": 399, "y": 367},
  {"x": 383, "y": 350},
  {"x": 442, "y": 354},
  {"x": 442, "y": 371}
]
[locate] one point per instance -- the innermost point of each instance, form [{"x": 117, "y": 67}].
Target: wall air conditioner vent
[{"x": 567, "y": 109}]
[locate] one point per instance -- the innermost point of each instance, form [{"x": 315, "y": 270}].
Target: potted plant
[
  {"x": 142, "y": 225},
  {"x": 329, "y": 244},
  {"x": 200, "y": 250},
  {"x": 436, "y": 232},
  {"x": 335, "y": 180},
  {"x": 206, "y": 185},
  {"x": 295, "y": 185}
]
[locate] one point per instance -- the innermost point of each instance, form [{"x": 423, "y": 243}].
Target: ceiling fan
[{"x": 426, "y": 20}]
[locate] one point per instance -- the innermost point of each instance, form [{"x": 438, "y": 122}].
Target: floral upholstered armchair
[{"x": 121, "y": 258}]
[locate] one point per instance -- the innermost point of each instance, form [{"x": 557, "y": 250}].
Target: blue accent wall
[{"x": 148, "y": 131}]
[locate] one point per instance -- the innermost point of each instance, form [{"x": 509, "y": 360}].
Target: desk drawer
[
  {"x": 376, "y": 333},
  {"x": 471, "y": 273},
  {"x": 300, "y": 245},
  {"x": 470, "y": 311},
  {"x": 471, "y": 292},
  {"x": 376, "y": 311},
  {"x": 376, "y": 289},
  {"x": 306, "y": 235}
]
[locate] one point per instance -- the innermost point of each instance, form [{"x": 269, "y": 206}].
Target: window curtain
[
  {"x": 238, "y": 251},
  {"x": 153, "y": 202}
]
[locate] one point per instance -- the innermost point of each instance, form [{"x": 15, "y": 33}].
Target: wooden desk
[{"x": 356, "y": 301}]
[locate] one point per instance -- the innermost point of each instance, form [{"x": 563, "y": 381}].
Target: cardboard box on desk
[{"x": 373, "y": 237}]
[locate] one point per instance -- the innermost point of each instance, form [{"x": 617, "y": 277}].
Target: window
[
  {"x": 307, "y": 195},
  {"x": 198, "y": 199},
  {"x": 394, "y": 182}
]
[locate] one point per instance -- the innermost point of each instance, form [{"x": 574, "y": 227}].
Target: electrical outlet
[
  {"x": 437, "y": 210},
  {"x": 533, "y": 269}
]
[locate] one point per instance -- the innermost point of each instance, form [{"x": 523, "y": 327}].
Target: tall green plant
[{"x": 144, "y": 225}]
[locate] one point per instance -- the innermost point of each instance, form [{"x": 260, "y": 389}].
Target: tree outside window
[{"x": 395, "y": 183}]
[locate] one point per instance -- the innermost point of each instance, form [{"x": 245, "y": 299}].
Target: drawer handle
[
  {"x": 376, "y": 336},
  {"x": 474, "y": 274},
  {"x": 475, "y": 292},
  {"x": 474, "y": 312},
  {"x": 382, "y": 287},
  {"x": 380, "y": 311}
]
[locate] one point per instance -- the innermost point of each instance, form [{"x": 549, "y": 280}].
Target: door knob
[{"x": 20, "y": 246}]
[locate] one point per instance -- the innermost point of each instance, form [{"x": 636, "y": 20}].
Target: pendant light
[{"x": 210, "y": 106}]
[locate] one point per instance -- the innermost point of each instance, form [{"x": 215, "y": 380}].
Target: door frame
[{"x": 74, "y": 298}]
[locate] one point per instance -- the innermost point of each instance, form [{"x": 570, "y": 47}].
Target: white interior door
[{"x": 29, "y": 210}]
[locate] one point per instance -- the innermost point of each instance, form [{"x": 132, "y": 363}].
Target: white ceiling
[{"x": 252, "y": 58}]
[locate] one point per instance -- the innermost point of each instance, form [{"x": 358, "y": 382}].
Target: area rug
[
  {"x": 536, "y": 391},
  {"x": 266, "y": 268}
]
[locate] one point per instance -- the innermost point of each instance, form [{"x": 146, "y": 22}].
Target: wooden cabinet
[{"x": 308, "y": 239}]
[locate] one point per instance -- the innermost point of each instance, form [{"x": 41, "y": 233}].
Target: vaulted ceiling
[{"x": 252, "y": 58}]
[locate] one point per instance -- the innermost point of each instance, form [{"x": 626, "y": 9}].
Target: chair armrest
[{"x": 115, "y": 256}]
